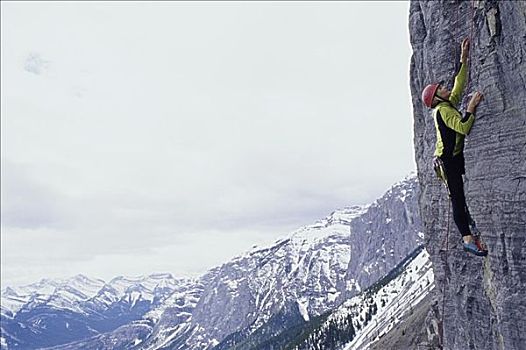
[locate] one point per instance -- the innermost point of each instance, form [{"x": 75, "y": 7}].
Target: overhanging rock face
[{"x": 480, "y": 303}]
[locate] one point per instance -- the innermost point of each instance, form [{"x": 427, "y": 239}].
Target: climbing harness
[{"x": 440, "y": 171}]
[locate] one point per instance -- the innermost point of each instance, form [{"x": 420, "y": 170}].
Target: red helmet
[{"x": 428, "y": 94}]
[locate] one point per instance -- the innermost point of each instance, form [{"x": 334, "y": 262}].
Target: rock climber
[{"x": 451, "y": 129}]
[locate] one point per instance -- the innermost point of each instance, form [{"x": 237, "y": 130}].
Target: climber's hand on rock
[
  {"x": 475, "y": 100},
  {"x": 464, "y": 50}
]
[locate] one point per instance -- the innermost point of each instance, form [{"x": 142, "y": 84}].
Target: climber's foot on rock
[{"x": 474, "y": 247}]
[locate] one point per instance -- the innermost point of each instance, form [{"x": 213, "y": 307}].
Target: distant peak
[
  {"x": 10, "y": 291},
  {"x": 161, "y": 275}
]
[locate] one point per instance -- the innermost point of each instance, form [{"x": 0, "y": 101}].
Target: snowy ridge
[
  {"x": 340, "y": 216},
  {"x": 400, "y": 189},
  {"x": 132, "y": 288},
  {"x": 81, "y": 307},
  {"x": 393, "y": 301},
  {"x": 337, "y": 223},
  {"x": 178, "y": 303},
  {"x": 365, "y": 318},
  {"x": 56, "y": 293},
  {"x": 65, "y": 294}
]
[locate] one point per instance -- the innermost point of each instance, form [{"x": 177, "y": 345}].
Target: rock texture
[
  {"x": 388, "y": 231},
  {"x": 484, "y": 298}
]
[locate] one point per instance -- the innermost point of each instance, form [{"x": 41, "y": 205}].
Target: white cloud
[{"x": 35, "y": 64}]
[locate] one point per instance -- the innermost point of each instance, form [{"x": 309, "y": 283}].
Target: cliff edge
[{"x": 479, "y": 303}]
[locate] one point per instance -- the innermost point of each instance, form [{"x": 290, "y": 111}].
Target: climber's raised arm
[
  {"x": 464, "y": 54},
  {"x": 461, "y": 78}
]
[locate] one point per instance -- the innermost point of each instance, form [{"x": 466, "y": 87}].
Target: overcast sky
[{"x": 171, "y": 136}]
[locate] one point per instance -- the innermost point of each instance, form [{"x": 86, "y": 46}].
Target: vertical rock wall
[{"x": 483, "y": 299}]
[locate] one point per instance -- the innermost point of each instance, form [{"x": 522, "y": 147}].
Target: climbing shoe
[
  {"x": 474, "y": 248},
  {"x": 480, "y": 245}
]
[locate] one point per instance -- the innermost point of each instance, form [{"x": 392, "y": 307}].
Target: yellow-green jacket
[{"x": 451, "y": 127}]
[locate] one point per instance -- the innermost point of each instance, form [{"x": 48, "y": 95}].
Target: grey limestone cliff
[
  {"x": 480, "y": 303},
  {"x": 390, "y": 229}
]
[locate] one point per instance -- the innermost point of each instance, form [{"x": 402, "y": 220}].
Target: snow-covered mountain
[
  {"x": 62, "y": 294},
  {"x": 364, "y": 319},
  {"x": 251, "y": 298},
  {"x": 312, "y": 271},
  {"x": 53, "y": 312},
  {"x": 392, "y": 299}
]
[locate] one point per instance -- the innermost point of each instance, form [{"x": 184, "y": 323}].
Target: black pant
[{"x": 454, "y": 168}]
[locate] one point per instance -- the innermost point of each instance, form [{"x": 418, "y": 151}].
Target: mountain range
[{"x": 342, "y": 282}]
